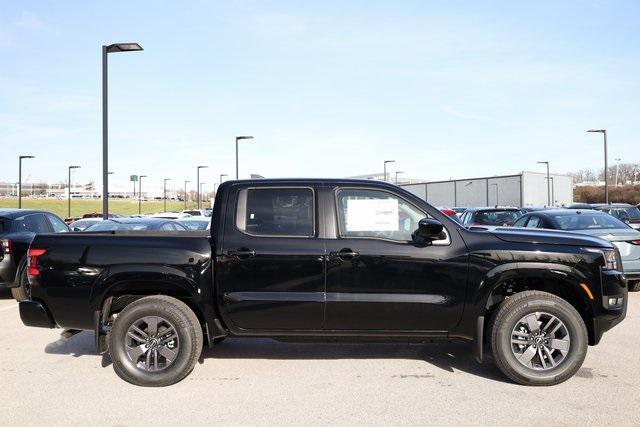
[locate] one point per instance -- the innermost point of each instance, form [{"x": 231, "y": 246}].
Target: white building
[{"x": 523, "y": 189}]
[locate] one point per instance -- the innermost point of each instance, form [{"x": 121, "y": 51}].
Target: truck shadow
[
  {"x": 5, "y": 293},
  {"x": 450, "y": 357}
]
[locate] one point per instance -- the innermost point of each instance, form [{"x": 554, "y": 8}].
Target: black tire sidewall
[
  {"x": 21, "y": 292},
  {"x": 577, "y": 349},
  {"x": 179, "y": 369}
]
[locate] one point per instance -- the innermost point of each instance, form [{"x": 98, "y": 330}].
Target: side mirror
[{"x": 429, "y": 230}]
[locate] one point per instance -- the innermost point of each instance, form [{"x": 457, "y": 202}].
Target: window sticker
[{"x": 372, "y": 215}]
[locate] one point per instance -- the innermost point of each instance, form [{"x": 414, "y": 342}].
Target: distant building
[{"x": 523, "y": 189}]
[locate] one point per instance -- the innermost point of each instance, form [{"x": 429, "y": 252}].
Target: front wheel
[
  {"x": 634, "y": 286},
  {"x": 155, "y": 341},
  {"x": 538, "y": 338}
]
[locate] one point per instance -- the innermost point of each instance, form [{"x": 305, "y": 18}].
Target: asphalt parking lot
[{"x": 46, "y": 378}]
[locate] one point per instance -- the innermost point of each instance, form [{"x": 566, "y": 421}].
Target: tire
[
  {"x": 175, "y": 316},
  {"x": 634, "y": 286},
  {"x": 541, "y": 369},
  {"x": 21, "y": 292}
]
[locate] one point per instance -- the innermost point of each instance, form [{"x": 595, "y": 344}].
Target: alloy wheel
[
  {"x": 151, "y": 343},
  {"x": 540, "y": 341}
]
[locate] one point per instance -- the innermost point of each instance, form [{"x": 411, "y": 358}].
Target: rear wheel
[
  {"x": 22, "y": 292},
  {"x": 155, "y": 341},
  {"x": 538, "y": 338}
]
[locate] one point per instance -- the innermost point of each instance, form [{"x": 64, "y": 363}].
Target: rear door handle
[
  {"x": 345, "y": 253},
  {"x": 242, "y": 253}
]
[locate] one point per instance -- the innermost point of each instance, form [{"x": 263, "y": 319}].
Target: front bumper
[
  {"x": 33, "y": 313},
  {"x": 614, "y": 285}
]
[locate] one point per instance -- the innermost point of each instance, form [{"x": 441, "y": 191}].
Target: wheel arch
[
  {"x": 506, "y": 280},
  {"x": 113, "y": 293}
]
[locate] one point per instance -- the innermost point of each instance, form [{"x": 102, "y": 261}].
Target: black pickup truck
[{"x": 303, "y": 259}]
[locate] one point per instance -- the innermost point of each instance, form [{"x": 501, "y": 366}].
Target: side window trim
[
  {"x": 240, "y": 213},
  {"x": 443, "y": 242}
]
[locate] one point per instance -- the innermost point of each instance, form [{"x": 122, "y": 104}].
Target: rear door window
[{"x": 276, "y": 212}]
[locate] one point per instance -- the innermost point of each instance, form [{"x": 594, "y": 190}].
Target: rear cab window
[{"x": 285, "y": 212}]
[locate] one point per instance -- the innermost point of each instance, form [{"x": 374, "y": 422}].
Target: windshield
[
  {"x": 110, "y": 225},
  {"x": 585, "y": 221},
  {"x": 495, "y": 217}
]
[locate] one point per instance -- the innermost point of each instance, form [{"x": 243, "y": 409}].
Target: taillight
[
  {"x": 6, "y": 246},
  {"x": 635, "y": 242},
  {"x": 32, "y": 261}
]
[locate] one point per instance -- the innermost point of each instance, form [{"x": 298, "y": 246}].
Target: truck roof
[{"x": 15, "y": 212}]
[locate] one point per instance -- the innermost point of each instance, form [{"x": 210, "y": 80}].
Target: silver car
[{"x": 594, "y": 223}]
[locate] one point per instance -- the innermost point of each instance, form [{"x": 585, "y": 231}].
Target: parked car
[
  {"x": 71, "y": 219},
  {"x": 329, "y": 259},
  {"x": 496, "y": 216},
  {"x": 459, "y": 210},
  {"x": 171, "y": 215},
  {"x": 17, "y": 228},
  {"x": 196, "y": 223},
  {"x": 625, "y": 212},
  {"x": 82, "y": 224},
  {"x": 99, "y": 215},
  {"x": 526, "y": 209},
  {"x": 594, "y": 223},
  {"x": 581, "y": 206},
  {"x": 137, "y": 224},
  {"x": 198, "y": 212}
]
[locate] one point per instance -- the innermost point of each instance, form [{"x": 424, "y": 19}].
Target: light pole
[
  {"x": 20, "y": 178},
  {"x": 497, "y": 196},
  {"x": 140, "y": 193},
  {"x": 69, "y": 195},
  {"x": 107, "y": 49},
  {"x": 548, "y": 183},
  {"x": 617, "y": 167},
  {"x": 222, "y": 175},
  {"x": 198, "y": 182},
  {"x": 164, "y": 193},
  {"x": 238, "y": 138},
  {"x": 606, "y": 163},
  {"x": 108, "y": 173},
  {"x": 553, "y": 192},
  {"x": 185, "y": 194},
  {"x": 385, "y": 168},
  {"x": 397, "y": 172},
  {"x": 200, "y": 191}
]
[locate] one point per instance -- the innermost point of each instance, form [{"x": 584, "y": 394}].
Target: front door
[
  {"x": 272, "y": 269},
  {"x": 378, "y": 279}
]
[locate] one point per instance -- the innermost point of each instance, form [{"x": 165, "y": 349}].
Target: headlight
[{"x": 611, "y": 260}]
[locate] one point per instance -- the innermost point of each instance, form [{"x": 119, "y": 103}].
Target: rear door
[{"x": 272, "y": 261}]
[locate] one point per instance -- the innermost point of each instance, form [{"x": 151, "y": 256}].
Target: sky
[{"x": 450, "y": 89}]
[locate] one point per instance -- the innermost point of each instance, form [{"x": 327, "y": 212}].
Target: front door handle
[
  {"x": 242, "y": 253},
  {"x": 345, "y": 253}
]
